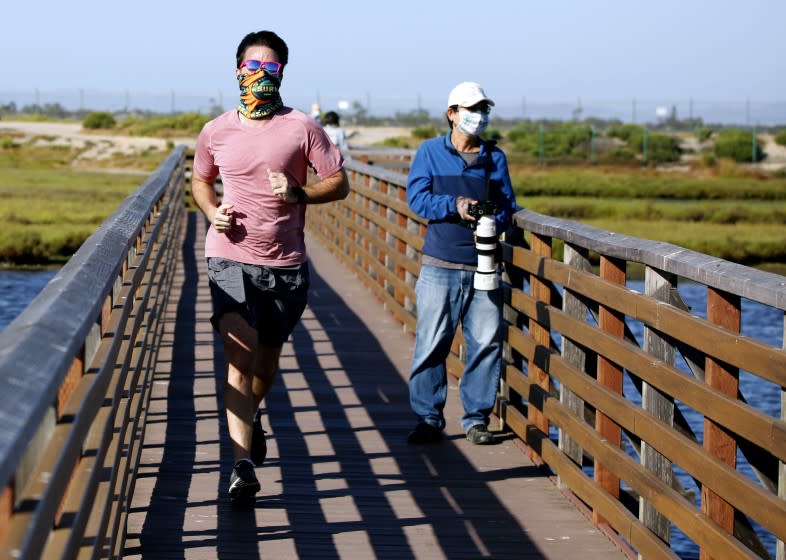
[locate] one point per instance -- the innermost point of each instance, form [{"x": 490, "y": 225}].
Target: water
[{"x": 17, "y": 289}]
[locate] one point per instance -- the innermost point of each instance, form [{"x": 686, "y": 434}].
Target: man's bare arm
[
  {"x": 334, "y": 187},
  {"x": 205, "y": 197}
]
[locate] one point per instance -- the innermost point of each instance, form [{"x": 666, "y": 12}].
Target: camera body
[
  {"x": 485, "y": 243},
  {"x": 480, "y": 209}
]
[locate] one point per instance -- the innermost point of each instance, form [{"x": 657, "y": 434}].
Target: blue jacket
[{"x": 437, "y": 176}]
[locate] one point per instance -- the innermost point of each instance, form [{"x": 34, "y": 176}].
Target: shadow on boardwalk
[{"x": 340, "y": 480}]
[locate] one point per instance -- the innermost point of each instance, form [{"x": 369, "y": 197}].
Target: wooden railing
[
  {"x": 76, "y": 368},
  {"x": 75, "y": 376},
  {"x": 570, "y": 348}
]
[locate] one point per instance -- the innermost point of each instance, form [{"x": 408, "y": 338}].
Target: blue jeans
[{"x": 445, "y": 297}]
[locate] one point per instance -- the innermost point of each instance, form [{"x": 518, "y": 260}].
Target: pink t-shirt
[{"x": 267, "y": 230}]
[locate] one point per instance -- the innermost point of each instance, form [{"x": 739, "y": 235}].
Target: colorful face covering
[{"x": 259, "y": 96}]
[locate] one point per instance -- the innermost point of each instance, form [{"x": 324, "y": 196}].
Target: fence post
[
  {"x": 609, "y": 375},
  {"x": 723, "y": 309},
  {"x": 578, "y": 258},
  {"x": 541, "y": 292},
  {"x": 658, "y": 285}
]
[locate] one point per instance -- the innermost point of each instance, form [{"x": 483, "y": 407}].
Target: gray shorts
[{"x": 271, "y": 299}]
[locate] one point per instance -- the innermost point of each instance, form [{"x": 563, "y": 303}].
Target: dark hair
[
  {"x": 331, "y": 118},
  {"x": 263, "y": 39},
  {"x": 450, "y": 123}
]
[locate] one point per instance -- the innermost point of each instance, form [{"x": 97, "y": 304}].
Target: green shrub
[
  {"x": 566, "y": 140},
  {"x": 99, "y": 120},
  {"x": 738, "y": 145},
  {"x": 625, "y": 131},
  {"x": 189, "y": 123},
  {"x": 425, "y": 132},
  {"x": 492, "y": 134},
  {"x": 22, "y": 247},
  {"x": 621, "y": 155},
  {"x": 661, "y": 148},
  {"x": 395, "y": 142},
  {"x": 703, "y": 133},
  {"x": 780, "y": 137}
]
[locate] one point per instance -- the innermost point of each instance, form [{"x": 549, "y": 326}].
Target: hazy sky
[{"x": 521, "y": 51}]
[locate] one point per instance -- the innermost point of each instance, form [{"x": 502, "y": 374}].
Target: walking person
[
  {"x": 255, "y": 250},
  {"x": 448, "y": 176},
  {"x": 332, "y": 124}
]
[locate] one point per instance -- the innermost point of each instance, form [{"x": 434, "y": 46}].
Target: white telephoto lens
[
  {"x": 486, "y": 244},
  {"x": 485, "y": 281}
]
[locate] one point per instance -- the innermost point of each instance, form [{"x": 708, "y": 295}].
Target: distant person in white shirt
[
  {"x": 316, "y": 113},
  {"x": 334, "y": 131}
]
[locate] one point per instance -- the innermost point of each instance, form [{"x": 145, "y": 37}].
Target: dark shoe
[
  {"x": 258, "y": 444},
  {"x": 480, "y": 435},
  {"x": 243, "y": 483},
  {"x": 424, "y": 433}
]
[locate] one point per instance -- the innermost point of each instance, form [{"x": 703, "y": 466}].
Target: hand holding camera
[{"x": 462, "y": 208}]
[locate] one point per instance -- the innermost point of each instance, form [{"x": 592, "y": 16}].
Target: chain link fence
[{"x": 745, "y": 112}]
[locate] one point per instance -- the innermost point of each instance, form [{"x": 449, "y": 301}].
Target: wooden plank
[
  {"x": 6, "y": 511},
  {"x": 749, "y": 283}
]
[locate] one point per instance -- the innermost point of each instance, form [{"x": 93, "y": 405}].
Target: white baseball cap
[{"x": 467, "y": 94}]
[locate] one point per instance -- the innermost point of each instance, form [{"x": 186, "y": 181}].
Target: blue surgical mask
[{"x": 473, "y": 123}]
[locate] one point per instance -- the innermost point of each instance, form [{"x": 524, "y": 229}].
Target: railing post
[
  {"x": 658, "y": 285},
  {"x": 541, "y": 292},
  {"x": 573, "y": 354},
  {"x": 609, "y": 375},
  {"x": 723, "y": 309}
]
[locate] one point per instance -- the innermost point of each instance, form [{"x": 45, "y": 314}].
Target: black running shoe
[
  {"x": 258, "y": 444},
  {"x": 424, "y": 433},
  {"x": 243, "y": 483},
  {"x": 479, "y": 435}
]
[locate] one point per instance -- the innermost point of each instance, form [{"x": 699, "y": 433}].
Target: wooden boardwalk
[{"x": 340, "y": 480}]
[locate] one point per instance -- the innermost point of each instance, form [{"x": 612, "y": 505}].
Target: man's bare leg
[
  {"x": 240, "y": 351},
  {"x": 265, "y": 370}
]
